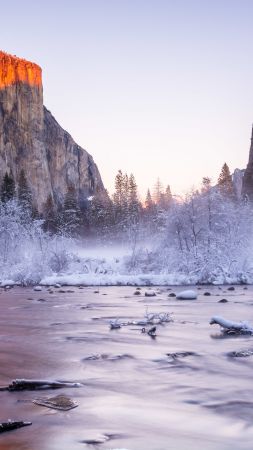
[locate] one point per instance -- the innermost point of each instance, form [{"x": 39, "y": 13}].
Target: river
[{"x": 134, "y": 396}]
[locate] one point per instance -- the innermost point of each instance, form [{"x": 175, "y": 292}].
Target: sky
[{"x": 153, "y": 87}]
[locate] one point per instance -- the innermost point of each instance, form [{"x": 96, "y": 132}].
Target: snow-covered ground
[
  {"x": 65, "y": 262},
  {"x": 189, "y": 247}
]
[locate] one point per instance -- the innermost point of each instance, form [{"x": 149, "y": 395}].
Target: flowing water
[{"x": 134, "y": 396}]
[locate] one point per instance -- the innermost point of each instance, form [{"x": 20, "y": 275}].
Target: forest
[{"x": 203, "y": 237}]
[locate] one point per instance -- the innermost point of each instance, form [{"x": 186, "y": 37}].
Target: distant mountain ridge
[{"x": 32, "y": 140}]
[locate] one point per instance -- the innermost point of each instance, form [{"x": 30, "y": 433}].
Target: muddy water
[{"x": 133, "y": 396}]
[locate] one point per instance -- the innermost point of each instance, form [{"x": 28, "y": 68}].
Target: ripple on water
[
  {"x": 235, "y": 408},
  {"x": 107, "y": 357},
  {"x": 103, "y": 438}
]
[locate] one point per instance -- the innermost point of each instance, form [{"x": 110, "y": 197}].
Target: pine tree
[
  {"x": 206, "y": 184},
  {"x": 100, "y": 215},
  {"x": 70, "y": 217},
  {"x": 149, "y": 204},
  {"x": 24, "y": 192},
  {"x": 125, "y": 198},
  {"x": 158, "y": 192},
  {"x": 120, "y": 200},
  {"x": 7, "y": 188},
  {"x": 49, "y": 214},
  {"x": 133, "y": 202},
  {"x": 225, "y": 182},
  {"x": 149, "y": 212},
  {"x": 166, "y": 198},
  {"x": 119, "y": 189}
]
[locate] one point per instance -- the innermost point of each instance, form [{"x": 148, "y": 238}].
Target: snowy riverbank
[{"x": 106, "y": 274}]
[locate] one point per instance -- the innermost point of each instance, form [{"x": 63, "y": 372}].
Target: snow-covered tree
[
  {"x": 158, "y": 192},
  {"x": 100, "y": 216},
  {"x": 133, "y": 201},
  {"x": 69, "y": 218},
  {"x": 225, "y": 182}
]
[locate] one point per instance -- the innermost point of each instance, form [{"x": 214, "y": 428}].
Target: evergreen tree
[
  {"x": 70, "y": 217},
  {"x": 149, "y": 204},
  {"x": 119, "y": 190},
  {"x": 100, "y": 215},
  {"x": 133, "y": 202},
  {"x": 158, "y": 192},
  {"x": 24, "y": 192},
  {"x": 120, "y": 200},
  {"x": 149, "y": 213},
  {"x": 125, "y": 199},
  {"x": 225, "y": 182},
  {"x": 49, "y": 214},
  {"x": 7, "y": 188},
  {"x": 166, "y": 199},
  {"x": 206, "y": 184}
]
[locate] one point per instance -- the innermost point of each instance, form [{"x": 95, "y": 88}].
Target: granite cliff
[
  {"x": 247, "y": 183},
  {"x": 32, "y": 140}
]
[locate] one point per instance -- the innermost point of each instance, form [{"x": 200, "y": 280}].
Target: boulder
[{"x": 187, "y": 295}]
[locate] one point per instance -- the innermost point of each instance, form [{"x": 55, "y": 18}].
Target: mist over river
[{"x": 134, "y": 395}]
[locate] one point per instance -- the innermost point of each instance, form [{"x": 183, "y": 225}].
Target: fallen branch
[
  {"x": 22, "y": 384},
  {"x": 149, "y": 319},
  {"x": 12, "y": 425},
  {"x": 232, "y": 327}
]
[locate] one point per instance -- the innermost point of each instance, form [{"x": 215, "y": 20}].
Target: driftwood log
[
  {"x": 23, "y": 384},
  {"x": 229, "y": 326},
  {"x": 12, "y": 425}
]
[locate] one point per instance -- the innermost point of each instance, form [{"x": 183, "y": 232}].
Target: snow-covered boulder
[
  {"x": 150, "y": 293},
  {"x": 37, "y": 288},
  {"x": 187, "y": 295}
]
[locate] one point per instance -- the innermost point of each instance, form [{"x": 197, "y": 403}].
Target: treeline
[
  {"x": 21, "y": 192},
  {"x": 123, "y": 215},
  {"x": 120, "y": 216},
  {"x": 208, "y": 236},
  {"x": 204, "y": 237},
  {"x": 103, "y": 216}
]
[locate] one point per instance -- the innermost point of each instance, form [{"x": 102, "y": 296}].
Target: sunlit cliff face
[
  {"x": 32, "y": 140},
  {"x": 14, "y": 70}
]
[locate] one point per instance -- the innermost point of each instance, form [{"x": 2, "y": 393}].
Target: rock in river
[{"x": 187, "y": 295}]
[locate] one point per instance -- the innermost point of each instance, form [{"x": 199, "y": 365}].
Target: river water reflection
[{"x": 134, "y": 396}]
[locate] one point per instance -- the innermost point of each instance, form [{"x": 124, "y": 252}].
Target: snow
[
  {"x": 189, "y": 248},
  {"x": 115, "y": 279},
  {"x": 150, "y": 293},
  {"x": 230, "y": 325},
  {"x": 6, "y": 283},
  {"x": 37, "y": 288},
  {"x": 187, "y": 295}
]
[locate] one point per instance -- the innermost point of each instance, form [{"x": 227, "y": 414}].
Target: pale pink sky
[{"x": 157, "y": 88}]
